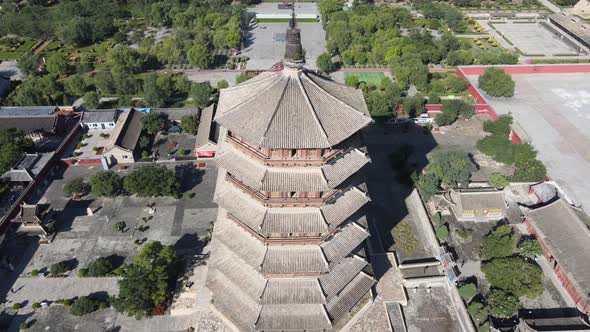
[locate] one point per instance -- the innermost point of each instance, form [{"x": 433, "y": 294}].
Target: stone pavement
[{"x": 38, "y": 289}]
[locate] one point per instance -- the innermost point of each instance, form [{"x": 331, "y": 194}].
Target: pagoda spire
[{"x": 293, "y": 48}]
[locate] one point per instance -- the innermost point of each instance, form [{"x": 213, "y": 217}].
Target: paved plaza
[
  {"x": 533, "y": 38},
  {"x": 554, "y": 111},
  {"x": 265, "y": 42}
]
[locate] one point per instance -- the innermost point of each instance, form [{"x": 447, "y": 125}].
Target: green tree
[
  {"x": 152, "y": 93},
  {"x": 514, "y": 275},
  {"x": 75, "y": 186},
  {"x": 324, "y": 63},
  {"x": 428, "y": 185},
  {"x": 13, "y": 143},
  {"x": 378, "y": 104},
  {"x": 100, "y": 267},
  {"x": 458, "y": 107},
  {"x": 498, "y": 180},
  {"x": 153, "y": 122},
  {"x": 447, "y": 117},
  {"x": 414, "y": 105},
  {"x": 351, "y": 80},
  {"x": 201, "y": 93},
  {"x": 58, "y": 268},
  {"x": 57, "y": 64},
  {"x": 147, "y": 281},
  {"x": 151, "y": 180},
  {"x": 503, "y": 304},
  {"x": 498, "y": 243},
  {"x": 199, "y": 56},
  {"x": 75, "y": 85},
  {"x": 124, "y": 60},
  {"x": 496, "y": 83},
  {"x": 452, "y": 167},
  {"x": 442, "y": 233},
  {"x": 106, "y": 183},
  {"x": 530, "y": 248},
  {"x": 222, "y": 85},
  {"x": 91, "y": 100},
  {"x": 83, "y": 306},
  {"x": 478, "y": 311},
  {"x": 468, "y": 291},
  {"x": 190, "y": 124},
  {"x": 28, "y": 63},
  {"x": 45, "y": 90}
]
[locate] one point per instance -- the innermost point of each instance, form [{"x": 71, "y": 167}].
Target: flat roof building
[
  {"x": 573, "y": 26},
  {"x": 478, "y": 204}
]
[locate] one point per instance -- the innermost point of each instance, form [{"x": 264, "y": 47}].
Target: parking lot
[
  {"x": 533, "y": 39},
  {"x": 81, "y": 238},
  {"x": 265, "y": 42}
]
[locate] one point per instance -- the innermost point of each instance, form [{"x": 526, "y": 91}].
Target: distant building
[
  {"x": 481, "y": 204},
  {"x": 38, "y": 122},
  {"x": 27, "y": 168},
  {"x": 122, "y": 144},
  {"x": 207, "y": 134},
  {"x": 99, "y": 119},
  {"x": 582, "y": 9},
  {"x": 31, "y": 221},
  {"x": 565, "y": 240},
  {"x": 573, "y": 26}
]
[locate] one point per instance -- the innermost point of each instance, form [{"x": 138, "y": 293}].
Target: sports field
[{"x": 370, "y": 78}]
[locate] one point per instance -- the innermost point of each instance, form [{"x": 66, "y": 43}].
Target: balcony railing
[
  {"x": 327, "y": 157},
  {"x": 283, "y": 201}
]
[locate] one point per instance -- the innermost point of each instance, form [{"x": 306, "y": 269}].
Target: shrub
[
  {"x": 75, "y": 186},
  {"x": 182, "y": 152},
  {"x": 34, "y": 273},
  {"x": 145, "y": 154},
  {"x": 188, "y": 195},
  {"x": 442, "y": 233},
  {"x": 58, "y": 269},
  {"x": 495, "y": 82},
  {"x": 498, "y": 180},
  {"x": 84, "y": 305},
  {"x": 23, "y": 326},
  {"x": 151, "y": 180},
  {"x": 468, "y": 291},
  {"x": 404, "y": 238},
  {"x": 16, "y": 306},
  {"x": 351, "y": 80},
  {"x": 434, "y": 99},
  {"x": 485, "y": 327},
  {"x": 244, "y": 76},
  {"x": 222, "y": 84},
  {"x": 100, "y": 267},
  {"x": 83, "y": 272},
  {"x": 514, "y": 275},
  {"x": 436, "y": 217},
  {"x": 68, "y": 302},
  {"x": 498, "y": 243},
  {"x": 36, "y": 305},
  {"x": 103, "y": 306},
  {"x": 446, "y": 118}
]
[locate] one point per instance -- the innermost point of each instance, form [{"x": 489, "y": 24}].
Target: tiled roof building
[{"x": 286, "y": 247}]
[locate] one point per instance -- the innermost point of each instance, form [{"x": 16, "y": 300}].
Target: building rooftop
[
  {"x": 97, "y": 116},
  {"x": 292, "y": 109},
  {"x": 27, "y": 110},
  {"x": 568, "y": 240},
  {"x": 204, "y": 133},
  {"x": 45, "y": 123},
  {"x": 176, "y": 114},
  {"x": 478, "y": 200},
  {"x": 127, "y": 131}
]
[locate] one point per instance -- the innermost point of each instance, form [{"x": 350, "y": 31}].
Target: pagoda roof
[
  {"x": 265, "y": 220},
  {"x": 292, "y": 109}
]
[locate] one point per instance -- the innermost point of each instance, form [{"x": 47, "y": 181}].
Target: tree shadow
[
  {"x": 189, "y": 245},
  {"x": 73, "y": 209},
  {"x": 189, "y": 176},
  {"x": 116, "y": 260}
]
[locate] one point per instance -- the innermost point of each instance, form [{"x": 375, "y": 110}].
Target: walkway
[
  {"x": 553, "y": 7},
  {"x": 38, "y": 289}
]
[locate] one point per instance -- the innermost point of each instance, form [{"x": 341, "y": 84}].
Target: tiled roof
[
  {"x": 340, "y": 275},
  {"x": 297, "y": 317},
  {"x": 350, "y": 295},
  {"x": 127, "y": 131},
  {"x": 293, "y": 291},
  {"x": 344, "y": 241},
  {"x": 292, "y": 109},
  {"x": 294, "y": 260}
]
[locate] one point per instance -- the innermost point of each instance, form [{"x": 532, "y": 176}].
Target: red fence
[{"x": 530, "y": 69}]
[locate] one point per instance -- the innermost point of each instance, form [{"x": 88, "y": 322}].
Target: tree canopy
[
  {"x": 500, "y": 242},
  {"x": 190, "y": 124},
  {"x": 13, "y": 143},
  {"x": 153, "y": 122},
  {"x": 201, "y": 93},
  {"x": 151, "y": 180},
  {"x": 503, "y": 304},
  {"x": 106, "y": 183},
  {"x": 495, "y": 82},
  {"x": 530, "y": 248},
  {"x": 514, "y": 275},
  {"x": 148, "y": 280},
  {"x": 452, "y": 167}
]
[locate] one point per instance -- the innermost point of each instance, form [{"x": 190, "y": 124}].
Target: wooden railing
[{"x": 283, "y": 201}]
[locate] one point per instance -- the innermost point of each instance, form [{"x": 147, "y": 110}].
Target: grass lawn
[{"x": 372, "y": 79}]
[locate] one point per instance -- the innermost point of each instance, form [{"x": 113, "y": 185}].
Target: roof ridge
[
  {"x": 274, "y": 113},
  {"x": 312, "y": 109},
  {"x": 333, "y": 97}
]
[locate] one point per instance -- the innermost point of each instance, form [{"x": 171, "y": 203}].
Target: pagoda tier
[{"x": 286, "y": 246}]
